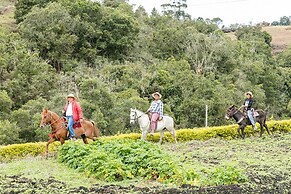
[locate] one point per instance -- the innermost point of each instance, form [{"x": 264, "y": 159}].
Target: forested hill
[{"x": 113, "y": 57}]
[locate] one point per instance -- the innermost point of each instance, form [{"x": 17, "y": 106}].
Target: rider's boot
[{"x": 255, "y": 127}]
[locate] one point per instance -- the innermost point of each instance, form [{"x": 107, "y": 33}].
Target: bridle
[
  {"x": 240, "y": 120},
  {"x": 135, "y": 116},
  {"x": 50, "y": 123}
]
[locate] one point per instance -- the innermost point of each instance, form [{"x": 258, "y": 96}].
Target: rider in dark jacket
[{"x": 248, "y": 107}]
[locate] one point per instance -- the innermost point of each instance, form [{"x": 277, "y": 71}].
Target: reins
[
  {"x": 137, "y": 117},
  {"x": 62, "y": 125},
  {"x": 241, "y": 119}
]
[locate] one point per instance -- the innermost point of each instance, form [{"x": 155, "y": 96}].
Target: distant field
[
  {"x": 281, "y": 37},
  {"x": 7, "y": 21}
]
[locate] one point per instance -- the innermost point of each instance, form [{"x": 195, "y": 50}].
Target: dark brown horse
[
  {"x": 243, "y": 121},
  {"x": 59, "y": 130}
]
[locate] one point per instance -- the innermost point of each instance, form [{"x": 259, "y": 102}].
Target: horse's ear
[{"x": 45, "y": 110}]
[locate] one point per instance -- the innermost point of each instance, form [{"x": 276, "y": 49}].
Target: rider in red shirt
[{"x": 73, "y": 113}]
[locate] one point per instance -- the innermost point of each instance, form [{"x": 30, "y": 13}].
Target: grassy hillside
[
  {"x": 265, "y": 162},
  {"x": 7, "y": 21},
  {"x": 281, "y": 37}
]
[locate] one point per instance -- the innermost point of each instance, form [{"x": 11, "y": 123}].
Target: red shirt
[{"x": 77, "y": 111}]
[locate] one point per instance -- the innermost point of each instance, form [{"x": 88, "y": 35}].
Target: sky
[{"x": 230, "y": 11}]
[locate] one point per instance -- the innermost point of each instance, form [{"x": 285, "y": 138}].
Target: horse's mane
[{"x": 140, "y": 111}]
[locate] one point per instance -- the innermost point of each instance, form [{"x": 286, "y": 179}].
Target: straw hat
[
  {"x": 250, "y": 93},
  {"x": 156, "y": 93},
  {"x": 71, "y": 96}
]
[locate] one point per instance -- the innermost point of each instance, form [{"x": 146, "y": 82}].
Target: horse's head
[
  {"x": 230, "y": 112},
  {"x": 46, "y": 117},
  {"x": 133, "y": 116}
]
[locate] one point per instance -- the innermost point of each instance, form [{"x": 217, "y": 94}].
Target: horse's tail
[{"x": 95, "y": 130}]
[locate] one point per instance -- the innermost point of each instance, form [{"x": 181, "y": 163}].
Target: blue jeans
[
  {"x": 70, "y": 126},
  {"x": 250, "y": 115}
]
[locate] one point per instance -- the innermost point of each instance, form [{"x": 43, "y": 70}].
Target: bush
[
  {"x": 224, "y": 175},
  {"x": 227, "y": 132},
  {"x": 118, "y": 160},
  {"x": 23, "y": 150}
]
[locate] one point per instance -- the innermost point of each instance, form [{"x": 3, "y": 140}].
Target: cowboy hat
[
  {"x": 157, "y": 93},
  {"x": 250, "y": 93},
  {"x": 71, "y": 96}
]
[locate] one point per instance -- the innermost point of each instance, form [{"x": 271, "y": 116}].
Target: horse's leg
[
  {"x": 265, "y": 125},
  {"x": 262, "y": 129},
  {"x": 173, "y": 133},
  {"x": 48, "y": 143},
  {"x": 62, "y": 140},
  {"x": 161, "y": 136},
  {"x": 144, "y": 134},
  {"x": 84, "y": 139},
  {"x": 243, "y": 132},
  {"x": 238, "y": 131}
]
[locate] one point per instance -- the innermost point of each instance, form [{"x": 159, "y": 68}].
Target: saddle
[
  {"x": 76, "y": 125},
  {"x": 254, "y": 113}
]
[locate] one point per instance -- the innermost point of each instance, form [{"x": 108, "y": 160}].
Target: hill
[
  {"x": 7, "y": 21},
  {"x": 281, "y": 37}
]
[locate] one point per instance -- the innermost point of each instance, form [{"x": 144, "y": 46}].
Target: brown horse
[
  {"x": 243, "y": 121},
  {"x": 59, "y": 130}
]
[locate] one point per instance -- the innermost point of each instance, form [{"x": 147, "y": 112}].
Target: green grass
[
  {"x": 42, "y": 168},
  {"x": 260, "y": 165},
  {"x": 264, "y": 160}
]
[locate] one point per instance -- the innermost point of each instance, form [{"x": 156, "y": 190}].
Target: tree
[
  {"x": 50, "y": 30},
  {"x": 285, "y": 21},
  {"x": 176, "y": 8},
  {"x": 119, "y": 32},
  {"x": 23, "y": 7},
  {"x": 253, "y": 33},
  {"x": 5, "y": 105},
  {"x": 9, "y": 133},
  {"x": 24, "y": 76}
]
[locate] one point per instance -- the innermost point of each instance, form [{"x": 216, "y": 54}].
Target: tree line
[{"x": 113, "y": 57}]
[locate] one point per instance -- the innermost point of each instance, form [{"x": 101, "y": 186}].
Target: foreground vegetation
[{"x": 253, "y": 165}]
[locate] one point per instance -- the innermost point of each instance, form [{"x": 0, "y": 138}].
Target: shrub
[
  {"x": 118, "y": 160},
  {"x": 23, "y": 150},
  {"x": 224, "y": 175}
]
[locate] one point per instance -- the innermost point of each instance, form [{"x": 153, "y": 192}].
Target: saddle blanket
[{"x": 77, "y": 125}]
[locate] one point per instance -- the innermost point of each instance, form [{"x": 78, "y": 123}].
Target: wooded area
[{"x": 113, "y": 58}]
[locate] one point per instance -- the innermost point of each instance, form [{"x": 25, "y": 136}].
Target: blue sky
[{"x": 230, "y": 11}]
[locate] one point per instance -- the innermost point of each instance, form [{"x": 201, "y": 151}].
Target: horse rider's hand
[
  {"x": 81, "y": 120},
  {"x": 161, "y": 118}
]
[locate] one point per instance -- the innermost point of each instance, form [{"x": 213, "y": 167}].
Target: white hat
[
  {"x": 250, "y": 93},
  {"x": 157, "y": 93},
  {"x": 71, "y": 96}
]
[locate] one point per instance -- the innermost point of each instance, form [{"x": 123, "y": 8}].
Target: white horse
[{"x": 144, "y": 124}]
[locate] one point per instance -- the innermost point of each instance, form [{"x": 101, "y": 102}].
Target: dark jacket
[{"x": 248, "y": 103}]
